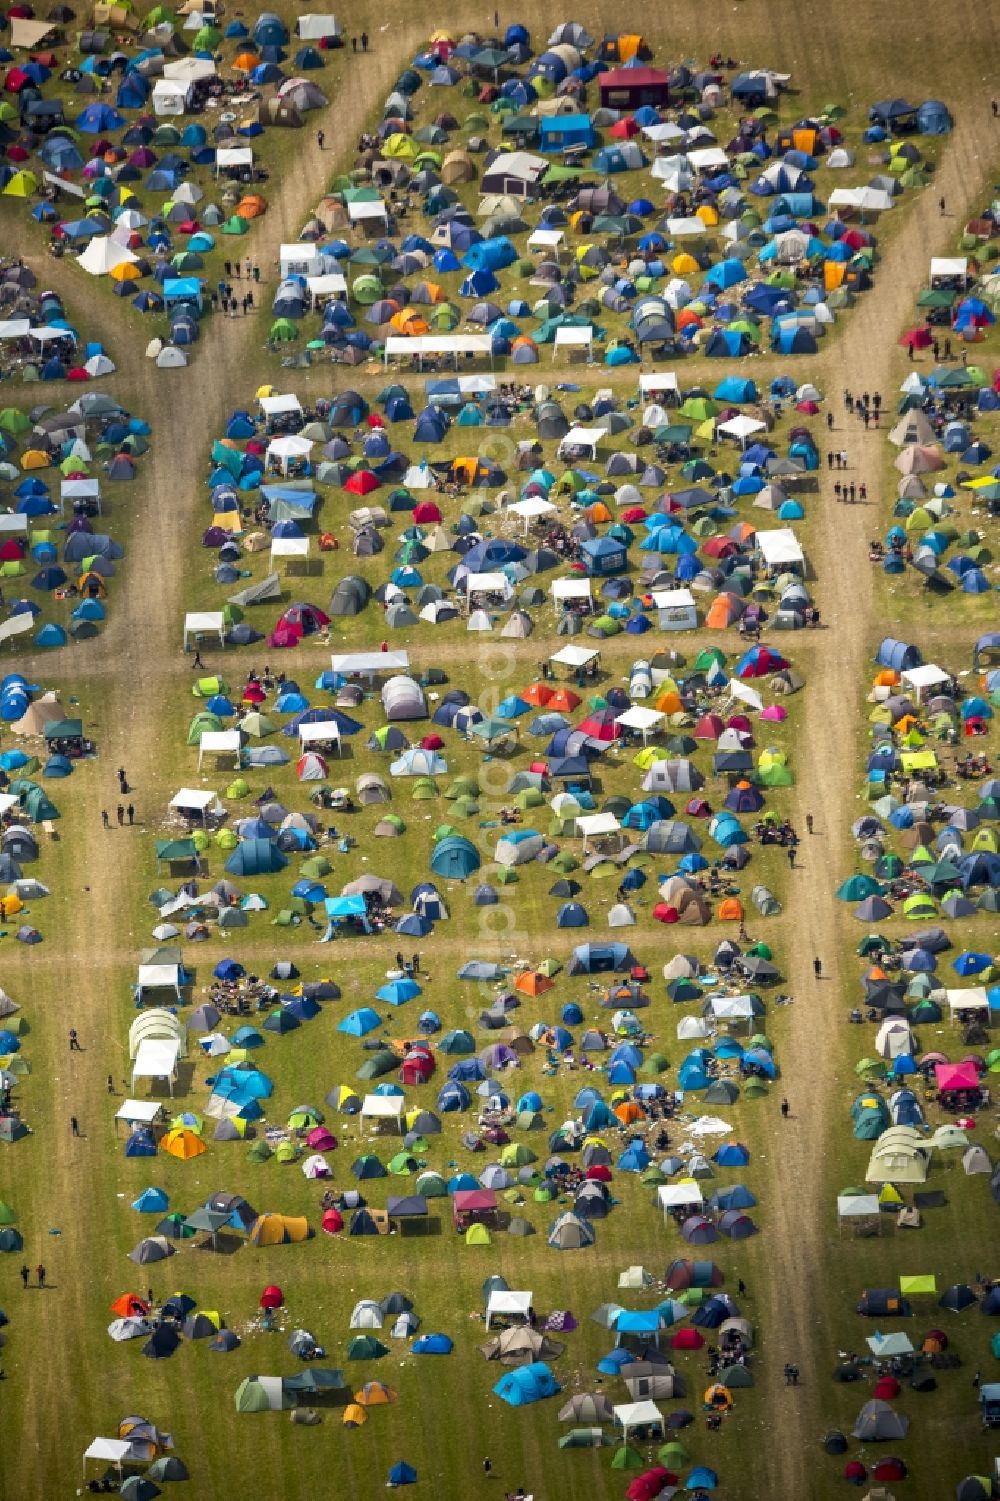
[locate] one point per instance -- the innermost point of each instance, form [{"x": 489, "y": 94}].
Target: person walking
[
  {"x": 236, "y": 271},
  {"x": 941, "y": 206},
  {"x": 829, "y": 422},
  {"x": 105, "y": 820},
  {"x": 786, "y": 1110},
  {"x": 111, "y": 1084},
  {"x": 995, "y": 107},
  {"x": 74, "y": 1041},
  {"x": 416, "y": 964},
  {"x": 487, "y": 1467},
  {"x": 862, "y": 492},
  {"x": 364, "y": 41},
  {"x": 74, "y": 1126},
  {"x": 853, "y": 492},
  {"x": 120, "y": 811},
  {"x": 40, "y": 1274},
  {"x": 809, "y": 823},
  {"x": 817, "y": 967},
  {"x": 320, "y": 141},
  {"x": 196, "y": 660},
  {"x": 130, "y": 814},
  {"x": 25, "y": 1274},
  {"x": 741, "y": 1288},
  {"x": 843, "y": 458},
  {"x": 791, "y": 857},
  {"x": 122, "y": 779},
  {"x": 354, "y": 44},
  {"x": 256, "y": 275},
  {"x": 837, "y": 490}
]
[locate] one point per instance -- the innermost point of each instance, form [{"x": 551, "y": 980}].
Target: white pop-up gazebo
[
  {"x": 632, "y": 1415},
  {"x": 508, "y": 1304},
  {"x": 219, "y": 743},
  {"x": 194, "y": 802},
  {"x": 326, "y": 733},
  {"x": 645, "y": 721},
  {"x": 198, "y": 623},
  {"x": 157, "y": 1059}
]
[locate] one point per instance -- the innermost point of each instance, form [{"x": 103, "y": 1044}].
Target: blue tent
[
  {"x": 255, "y": 857},
  {"x": 402, "y": 1474},
  {"x": 527, "y": 1384},
  {"x": 454, "y": 858},
  {"x": 933, "y": 118}
]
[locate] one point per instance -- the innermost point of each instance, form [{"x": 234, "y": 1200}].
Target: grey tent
[
  {"x": 877, "y": 1422},
  {"x": 258, "y": 593}
]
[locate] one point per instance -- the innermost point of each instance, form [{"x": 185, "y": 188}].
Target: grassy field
[{"x": 72, "y": 1198}]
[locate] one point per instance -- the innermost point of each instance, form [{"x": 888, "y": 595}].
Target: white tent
[
  {"x": 300, "y": 259},
  {"x": 575, "y": 588},
  {"x": 780, "y": 548},
  {"x": 170, "y": 96},
  {"x": 103, "y": 254},
  {"x": 678, "y": 1196},
  {"x": 631, "y": 1415},
  {"x": 508, "y": 1304},
  {"x": 279, "y": 406},
  {"x": 219, "y": 743},
  {"x": 676, "y": 608},
  {"x": 368, "y": 663},
  {"x": 196, "y": 801},
  {"x": 325, "y": 733},
  {"x": 157, "y": 1059},
  {"x": 204, "y": 623},
  {"x": 416, "y": 346},
  {"x": 314, "y": 26}
]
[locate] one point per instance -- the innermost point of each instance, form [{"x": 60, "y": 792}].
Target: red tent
[
  {"x": 687, "y": 1339},
  {"x": 426, "y": 511},
  {"x": 333, "y": 1221},
  {"x": 272, "y": 1297},
  {"x": 361, "y": 482},
  {"x": 650, "y": 1483}
]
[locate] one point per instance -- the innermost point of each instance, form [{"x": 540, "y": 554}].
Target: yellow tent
[
  {"x": 183, "y": 1144},
  {"x": 684, "y": 264},
  {"x": 33, "y": 458},
  {"x": 21, "y": 185}
]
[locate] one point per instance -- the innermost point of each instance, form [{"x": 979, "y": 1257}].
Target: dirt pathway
[{"x": 801, "y": 1226}]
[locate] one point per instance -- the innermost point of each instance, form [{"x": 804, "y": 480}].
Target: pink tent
[{"x": 956, "y": 1076}]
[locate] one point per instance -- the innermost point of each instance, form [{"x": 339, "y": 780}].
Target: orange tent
[
  {"x": 731, "y": 910},
  {"x": 183, "y": 1144},
  {"x": 354, "y": 1416},
  {"x": 597, "y": 512},
  {"x": 741, "y": 531},
  {"x": 887, "y": 678},
  {"x": 833, "y": 275},
  {"x": 668, "y": 702},
  {"x": 409, "y": 321},
  {"x": 722, "y": 613},
  {"x": 251, "y": 206},
  {"x": 246, "y": 62},
  {"x": 375, "y": 1394},
  {"x": 532, "y": 982},
  {"x": 564, "y": 700},
  {"x": 539, "y": 694},
  {"x": 130, "y": 1306},
  {"x": 629, "y": 1111},
  {"x": 804, "y": 139}
]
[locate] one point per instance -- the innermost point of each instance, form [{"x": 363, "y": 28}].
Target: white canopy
[
  {"x": 421, "y": 344},
  {"x": 488, "y": 583},
  {"x": 347, "y": 664},
  {"x": 367, "y": 208},
  {"x": 195, "y": 798},
  {"x": 949, "y": 265},
  {"x": 157, "y": 1059},
  {"x": 688, "y": 228},
  {"x": 13, "y": 524},
  {"x": 159, "y": 977},
  {"x": 573, "y": 337},
  {"x": 658, "y": 380},
  {"x": 190, "y": 69},
  {"x": 780, "y": 547},
  {"x": 591, "y": 825},
  {"x": 641, "y": 719},
  {"x": 972, "y": 999},
  {"x": 204, "y": 623},
  {"x": 275, "y": 406},
  {"x": 219, "y": 743},
  {"x": 327, "y": 733},
  {"x": 857, "y": 1206},
  {"x": 328, "y": 284},
  {"x": 571, "y": 589},
  {"x": 677, "y": 1195},
  {"x": 170, "y": 96},
  {"x": 314, "y": 26},
  {"x": 513, "y": 1304},
  {"x": 545, "y": 239},
  {"x": 589, "y": 438},
  {"x": 139, "y": 1112},
  {"x": 575, "y": 656},
  {"x": 638, "y": 1415},
  {"x": 14, "y": 328},
  {"x": 298, "y": 259},
  {"x": 109, "y": 1450},
  {"x": 741, "y": 427},
  {"x": 289, "y": 547},
  {"x": 927, "y": 675},
  {"x": 731, "y": 1007},
  {"x": 233, "y": 156},
  {"x": 529, "y": 510}
]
